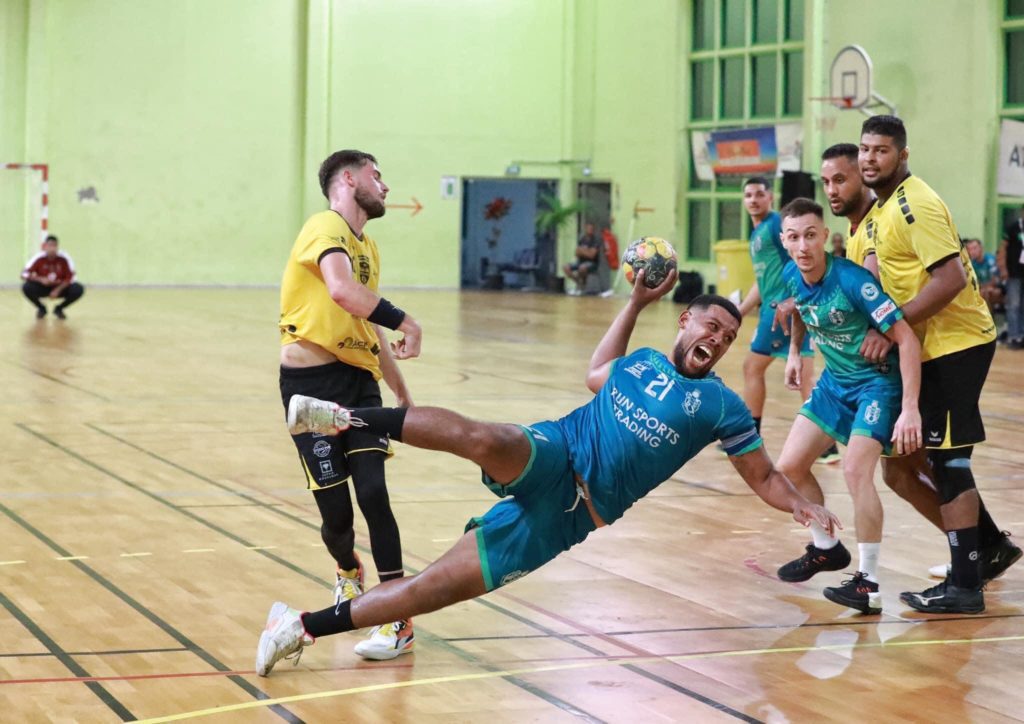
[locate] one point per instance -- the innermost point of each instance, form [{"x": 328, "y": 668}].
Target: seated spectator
[
  {"x": 51, "y": 273},
  {"x": 990, "y": 283},
  {"x": 588, "y": 248},
  {"x": 838, "y": 245}
]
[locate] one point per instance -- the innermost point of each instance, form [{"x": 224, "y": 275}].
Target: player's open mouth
[{"x": 702, "y": 354}]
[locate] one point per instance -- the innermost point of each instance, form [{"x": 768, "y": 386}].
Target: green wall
[
  {"x": 200, "y": 123},
  {"x": 944, "y": 84}
]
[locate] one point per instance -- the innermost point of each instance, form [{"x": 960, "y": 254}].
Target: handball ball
[{"x": 655, "y": 256}]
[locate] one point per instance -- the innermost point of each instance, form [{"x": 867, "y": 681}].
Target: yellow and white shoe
[
  {"x": 349, "y": 584},
  {"x": 388, "y": 641},
  {"x": 284, "y": 638}
]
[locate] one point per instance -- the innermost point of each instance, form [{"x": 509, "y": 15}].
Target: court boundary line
[
  {"x": 678, "y": 688},
  {"x": 576, "y": 666},
  {"x": 69, "y": 663},
  {"x": 549, "y": 697},
  {"x": 138, "y": 607}
]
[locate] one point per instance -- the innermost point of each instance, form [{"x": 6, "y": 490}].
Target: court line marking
[
  {"x": 11, "y": 563},
  {"x": 146, "y": 613},
  {"x": 69, "y": 663},
  {"x": 526, "y": 686},
  {"x": 458, "y": 678}
]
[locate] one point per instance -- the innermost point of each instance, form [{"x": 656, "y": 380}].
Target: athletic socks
[
  {"x": 963, "y": 550},
  {"x": 336, "y": 619},
  {"x": 988, "y": 533},
  {"x": 821, "y": 537},
  {"x": 381, "y": 420},
  {"x": 868, "y": 560}
]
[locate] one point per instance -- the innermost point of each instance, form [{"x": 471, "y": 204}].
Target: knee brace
[{"x": 952, "y": 470}]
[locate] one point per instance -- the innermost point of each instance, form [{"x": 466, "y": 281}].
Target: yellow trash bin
[{"x": 735, "y": 270}]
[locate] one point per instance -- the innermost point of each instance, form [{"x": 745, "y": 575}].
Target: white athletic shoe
[
  {"x": 284, "y": 638},
  {"x": 308, "y": 414},
  {"x": 940, "y": 571},
  {"x": 346, "y": 588},
  {"x": 387, "y": 642}
]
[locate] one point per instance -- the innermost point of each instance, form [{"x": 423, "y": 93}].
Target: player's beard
[
  {"x": 881, "y": 181},
  {"x": 374, "y": 207},
  {"x": 679, "y": 358},
  {"x": 847, "y": 208}
]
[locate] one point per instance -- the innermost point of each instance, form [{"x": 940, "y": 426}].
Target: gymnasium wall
[
  {"x": 200, "y": 123},
  {"x": 941, "y": 72}
]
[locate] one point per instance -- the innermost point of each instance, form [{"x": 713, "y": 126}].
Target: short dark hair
[
  {"x": 840, "y": 150},
  {"x": 800, "y": 207},
  {"x": 51, "y": 237},
  {"x": 758, "y": 180},
  {"x": 886, "y": 126},
  {"x": 339, "y": 160},
  {"x": 714, "y": 300}
]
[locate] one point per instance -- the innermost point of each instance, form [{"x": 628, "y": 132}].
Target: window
[
  {"x": 1015, "y": 67},
  {"x": 746, "y": 69},
  {"x": 1015, "y": 9}
]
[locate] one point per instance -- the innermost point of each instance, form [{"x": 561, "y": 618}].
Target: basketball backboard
[
  {"x": 851, "y": 83},
  {"x": 850, "y": 80}
]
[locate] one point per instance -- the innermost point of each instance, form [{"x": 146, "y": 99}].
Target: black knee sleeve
[
  {"x": 375, "y": 504},
  {"x": 952, "y": 470}
]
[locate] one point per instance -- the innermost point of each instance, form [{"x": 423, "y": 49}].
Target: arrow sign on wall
[
  {"x": 415, "y": 206},
  {"x": 638, "y": 209}
]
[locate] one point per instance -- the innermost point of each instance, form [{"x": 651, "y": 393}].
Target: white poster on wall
[
  {"x": 701, "y": 158},
  {"x": 789, "y": 140},
  {"x": 1010, "y": 173}
]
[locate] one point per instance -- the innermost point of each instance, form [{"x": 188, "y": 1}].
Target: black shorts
[
  {"x": 950, "y": 391},
  {"x": 325, "y": 458}
]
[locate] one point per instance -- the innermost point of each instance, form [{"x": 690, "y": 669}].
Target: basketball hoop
[{"x": 843, "y": 102}]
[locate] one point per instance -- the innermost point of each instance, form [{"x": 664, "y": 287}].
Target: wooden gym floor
[{"x": 152, "y": 508}]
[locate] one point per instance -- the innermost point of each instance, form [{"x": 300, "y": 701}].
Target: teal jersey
[
  {"x": 987, "y": 270},
  {"x": 645, "y": 423},
  {"x": 769, "y": 257},
  {"x": 838, "y": 311}
]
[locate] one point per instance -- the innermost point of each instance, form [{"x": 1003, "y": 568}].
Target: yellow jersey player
[
  {"x": 925, "y": 269},
  {"x": 332, "y": 346}
]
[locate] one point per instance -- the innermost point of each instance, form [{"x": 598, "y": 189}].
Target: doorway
[{"x": 500, "y": 245}]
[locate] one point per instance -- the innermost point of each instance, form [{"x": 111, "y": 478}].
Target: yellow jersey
[
  {"x": 860, "y": 243},
  {"x": 307, "y": 310},
  {"x": 913, "y": 231}
]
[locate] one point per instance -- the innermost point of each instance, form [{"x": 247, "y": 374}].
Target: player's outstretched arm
[
  {"x": 359, "y": 301},
  {"x": 616, "y": 339},
  {"x": 774, "y": 488}
]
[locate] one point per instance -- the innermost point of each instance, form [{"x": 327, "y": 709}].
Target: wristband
[{"x": 387, "y": 315}]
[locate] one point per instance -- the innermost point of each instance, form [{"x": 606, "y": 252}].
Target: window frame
[{"x": 717, "y": 193}]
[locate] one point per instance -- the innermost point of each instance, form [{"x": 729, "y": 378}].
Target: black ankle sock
[
  {"x": 384, "y": 577},
  {"x": 757, "y": 424},
  {"x": 988, "y": 532},
  {"x": 336, "y": 619},
  {"x": 963, "y": 549},
  {"x": 382, "y": 420}
]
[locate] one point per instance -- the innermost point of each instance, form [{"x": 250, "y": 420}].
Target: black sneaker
[
  {"x": 996, "y": 558},
  {"x": 946, "y": 598},
  {"x": 59, "y": 313},
  {"x": 814, "y": 561},
  {"x": 40, "y": 313},
  {"x": 857, "y": 592}
]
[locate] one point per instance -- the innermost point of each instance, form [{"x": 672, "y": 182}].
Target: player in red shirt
[{"x": 51, "y": 273}]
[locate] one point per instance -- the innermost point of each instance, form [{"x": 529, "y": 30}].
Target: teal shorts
[
  {"x": 870, "y": 409},
  {"x": 774, "y": 343},
  {"x": 523, "y": 532}
]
